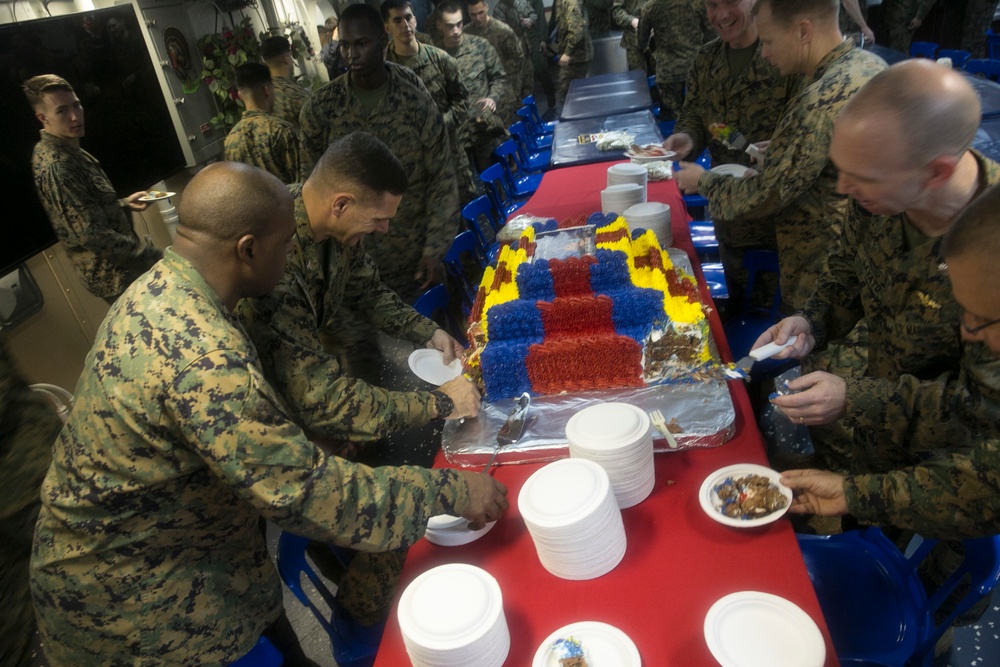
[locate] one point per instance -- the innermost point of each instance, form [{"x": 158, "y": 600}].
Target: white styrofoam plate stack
[
  {"x": 652, "y": 215},
  {"x": 452, "y": 615},
  {"x": 627, "y": 172},
  {"x": 616, "y": 436},
  {"x": 617, "y": 198},
  {"x": 573, "y": 518}
]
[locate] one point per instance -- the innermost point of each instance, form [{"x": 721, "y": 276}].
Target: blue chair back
[
  {"x": 540, "y": 140},
  {"x": 263, "y": 654},
  {"x": 531, "y": 159},
  {"x": 465, "y": 255},
  {"x": 706, "y": 245},
  {"x": 519, "y": 181},
  {"x": 292, "y": 565},
  {"x": 715, "y": 279},
  {"x": 985, "y": 67},
  {"x": 958, "y": 57},
  {"x": 542, "y": 126},
  {"x": 874, "y": 602},
  {"x": 923, "y": 49},
  {"x": 479, "y": 211},
  {"x": 435, "y": 304},
  {"x": 743, "y": 330},
  {"x": 993, "y": 45},
  {"x": 498, "y": 189}
]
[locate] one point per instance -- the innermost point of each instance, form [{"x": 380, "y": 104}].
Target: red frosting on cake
[
  {"x": 578, "y": 364},
  {"x": 571, "y": 276},
  {"x": 577, "y": 316}
]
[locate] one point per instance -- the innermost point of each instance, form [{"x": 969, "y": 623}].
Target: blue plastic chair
[
  {"x": 958, "y": 57},
  {"x": 263, "y": 654},
  {"x": 651, "y": 82},
  {"x": 539, "y": 140},
  {"x": 435, "y": 304},
  {"x": 984, "y": 66},
  {"x": 484, "y": 221},
  {"x": 532, "y": 160},
  {"x": 292, "y": 564},
  {"x": 544, "y": 127},
  {"x": 456, "y": 264},
  {"x": 873, "y": 601},
  {"x": 706, "y": 245},
  {"x": 993, "y": 45},
  {"x": 520, "y": 183},
  {"x": 498, "y": 189},
  {"x": 715, "y": 278},
  {"x": 923, "y": 50},
  {"x": 743, "y": 330}
]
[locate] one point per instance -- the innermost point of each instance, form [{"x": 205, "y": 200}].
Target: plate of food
[
  {"x": 744, "y": 495},
  {"x": 649, "y": 153},
  {"x": 587, "y": 644},
  {"x": 156, "y": 195}
]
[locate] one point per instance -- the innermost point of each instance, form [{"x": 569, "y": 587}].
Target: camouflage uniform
[
  {"x": 623, "y": 12},
  {"x": 796, "y": 187},
  {"x": 511, "y": 51},
  {"x": 88, "y": 218},
  {"x": 909, "y": 393},
  {"x": 511, "y": 12},
  {"x": 148, "y": 548},
  {"x": 680, "y": 28},
  {"x": 427, "y": 219},
  {"x": 597, "y": 15},
  {"x": 288, "y": 99},
  {"x": 978, "y": 18},
  {"x": 569, "y": 19},
  {"x": 536, "y": 36},
  {"x": 896, "y": 17},
  {"x": 484, "y": 76},
  {"x": 264, "y": 140},
  {"x": 440, "y": 75},
  {"x": 28, "y": 427}
]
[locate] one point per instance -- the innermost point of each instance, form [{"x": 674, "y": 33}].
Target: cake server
[
  {"x": 761, "y": 353},
  {"x": 513, "y": 428}
]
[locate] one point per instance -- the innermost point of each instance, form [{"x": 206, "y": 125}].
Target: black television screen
[{"x": 103, "y": 55}]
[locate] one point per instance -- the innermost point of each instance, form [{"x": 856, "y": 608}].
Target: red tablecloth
[{"x": 678, "y": 561}]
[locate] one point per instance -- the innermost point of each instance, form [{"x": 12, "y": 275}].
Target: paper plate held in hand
[
  {"x": 429, "y": 366},
  {"x": 156, "y": 195},
  {"x": 714, "y": 506}
]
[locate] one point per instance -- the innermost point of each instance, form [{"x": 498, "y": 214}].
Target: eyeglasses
[{"x": 971, "y": 330}]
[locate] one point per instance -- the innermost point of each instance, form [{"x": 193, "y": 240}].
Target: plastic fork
[{"x": 660, "y": 424}]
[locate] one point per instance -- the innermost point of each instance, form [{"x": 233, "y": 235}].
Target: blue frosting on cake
[
  {"x": 504, "y": 371},
  {"x": 534, "y": 281},
  {"x": 517, "y": 320},
  {"x": 610, "y": 273}
]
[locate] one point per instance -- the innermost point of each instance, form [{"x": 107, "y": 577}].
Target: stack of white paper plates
[
  {"x": 616, "y": 436},
  {"x": 452, "y": 615},
  {"x": 573, "y": 518},
  {"x": 627, "y": 172},
  {"x": 617, "y": 198},
  {"x": 651, "y": 215}
]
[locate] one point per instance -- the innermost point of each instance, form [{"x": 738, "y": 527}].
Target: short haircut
[
  {"x": 977, "y": 228},
  {"x": 274, "y": 47},
  {"x": 331, "y": 23},
  {"x": 393, "y": 4},
  {"x": 449, "y": 7},
  {"x": 36, "y": 87},
  {"x": 355, "y": 13},
  {"x": 251, "y": 76},
  {"x": 784, "y": 12},
  {"x": 362, "y": 160},
  {"x": 479, "y": 2},
  {"x": 936, "y": 110},
  {"x": 227, "y": 200}
]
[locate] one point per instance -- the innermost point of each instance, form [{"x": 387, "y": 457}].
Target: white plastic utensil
[
  {"x": 660, "y": 424},
  {"x": 763, "y": 352}
]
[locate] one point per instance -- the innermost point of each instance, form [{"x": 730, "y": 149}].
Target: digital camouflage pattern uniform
[
  {"x": 511, "y": 12},
  {"x": 484, "y": 76},
  {"x": 896, "y": 17},
  {"x": 28, "y": 427},
  {"x": 623, "y": 12},
  {"x": 977, "y": 20},
  {"x": 288, "y": 99},
  {"x": 440, "y": 74},
  {"x": 922, "y": 382},
  {"x": 427, "y": 219},
  {"x": 148, "y": 548},
  {"x": 266, "y": 141},
  {"x": 537, "y": 35},
  {"x": 598, "y": 16},
  {"x": 511, "y": 51},
  {"x": 796, "y": 187},
  {"x": 681, "y": 27},
  {"x": 88, "y": 217},
  {"x": 569, "y": 19}
]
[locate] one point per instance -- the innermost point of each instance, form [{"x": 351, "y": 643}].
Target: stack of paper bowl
[
  {"x": 617, "y": 198},
  {"x": 627, "y": 172},
  {"x": 453, "y": 615},
  {"x": 651, "y": 215},
  {"x": 616, "y": 436},
  {"x": 573, "y": 519}
]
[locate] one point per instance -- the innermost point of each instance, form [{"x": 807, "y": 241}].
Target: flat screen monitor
[{"x": 103, "y": 55}]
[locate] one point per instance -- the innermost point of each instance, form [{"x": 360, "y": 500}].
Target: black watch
[{"x": 443, "y": 403}]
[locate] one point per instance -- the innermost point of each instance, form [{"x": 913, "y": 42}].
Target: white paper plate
[
  {"x": 736, "y": 170},
  {"x": 429, "y": 366},
  {"x": 164, "y": 195},
  {"x": 751, "y": 629},
  {"x": 603, "y": 644},
  {"x": 710, "y": 502},
  {"x": 457, "y": 536},
  {"x": 641, "y": 159},
  {"x": 562, "y": 493},
  {"x": 607, "y": 426}
]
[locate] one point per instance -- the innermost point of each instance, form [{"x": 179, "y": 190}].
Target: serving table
[
  {"x": 568, "y": 149},
  {"x": 678, "y": 562},
  {"x": 606, "y": 94}
]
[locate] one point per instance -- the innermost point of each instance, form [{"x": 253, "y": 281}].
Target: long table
[
  {"x": 678, "y": 561},
  {"x": 567, "y": 150},
  {"x": 606, "y": 94}
]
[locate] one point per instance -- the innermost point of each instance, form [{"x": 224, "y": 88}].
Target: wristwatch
[{"x": 443, "y": 403}]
